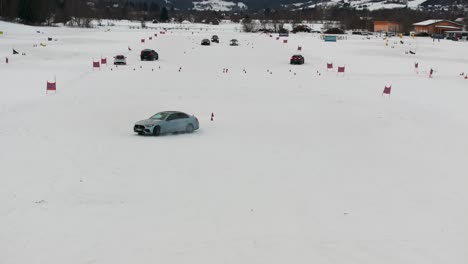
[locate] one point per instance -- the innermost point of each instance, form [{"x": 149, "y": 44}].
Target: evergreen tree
[
  {"x": 164, "y": 16},
  {"x": 25, "y": 11}
]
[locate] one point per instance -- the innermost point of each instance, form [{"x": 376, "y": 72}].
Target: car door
[
  {"x": 183, "y": 121},
  {"x": 171, "y": 123}
]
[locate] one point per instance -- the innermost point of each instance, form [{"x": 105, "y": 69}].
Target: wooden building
[
  {"x": 387, "y": 26},
  {"x": 436, "y": 26}
]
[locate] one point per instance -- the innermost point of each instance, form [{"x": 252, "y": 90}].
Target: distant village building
[
  {"x": 436, "y": 26},
  {"x": 386, "y": 26}
]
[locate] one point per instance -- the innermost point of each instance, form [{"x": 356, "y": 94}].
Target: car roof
[
  {"x": 147, "y": 50},
  {"x": 172, "y": 112},
  {"x": 297, "y": 55}
]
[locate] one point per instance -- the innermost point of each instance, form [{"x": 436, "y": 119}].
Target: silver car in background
[
  {"x": 167, "y": 122},
  {"x": 234, "y": 42}
]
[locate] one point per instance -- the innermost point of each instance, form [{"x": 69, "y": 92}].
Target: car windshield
[
  {"x": 160, "y": 116},
  {"x": 120, "y": 57}
]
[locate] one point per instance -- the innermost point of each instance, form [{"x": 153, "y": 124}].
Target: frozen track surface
[{"x": 299, "y": 166}]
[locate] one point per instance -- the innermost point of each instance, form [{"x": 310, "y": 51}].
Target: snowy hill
[
  {"x": 229, "y": 5},
  {"x": 360, "y": 4},
  {"x": 218, "y": 5}
]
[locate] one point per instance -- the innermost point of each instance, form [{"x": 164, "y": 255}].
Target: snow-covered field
[{"x": 300, "y": 165}]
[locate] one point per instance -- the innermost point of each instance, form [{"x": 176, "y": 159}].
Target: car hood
[{"x": 148, "y": 122}]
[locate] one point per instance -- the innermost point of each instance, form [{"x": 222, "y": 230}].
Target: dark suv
[
  {"x": 149, "y": 55},
  {"x": 215, "y": 38},
  {"x": 297, "y": 59},
  {"x": 205, "y": 42}
]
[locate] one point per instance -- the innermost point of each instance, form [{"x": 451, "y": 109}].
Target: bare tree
[{"x": 247, "y": 24}]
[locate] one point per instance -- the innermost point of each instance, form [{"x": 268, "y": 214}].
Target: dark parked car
[
  {"x": 266, "y": 30},
  {"x": 205, "y": 42},
  {"x": 302, "y": 28},
  {"x": 335, "y": 31},
  {"x": 422, "y": 34},
  {"x": 120, "y": 60},
  {"x": 297, "y": 59},
  {"x": 234, "y": 42},
  {"x": 215, "y": 38},
  {"x": 149, "y": 55}
]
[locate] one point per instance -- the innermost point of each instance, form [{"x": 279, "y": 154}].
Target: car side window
[
  {"x": 172, "y": 117},
  {"x": 182, "y": 116}
]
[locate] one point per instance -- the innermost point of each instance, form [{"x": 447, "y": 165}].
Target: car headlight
[{"x": 150, "y": 125}]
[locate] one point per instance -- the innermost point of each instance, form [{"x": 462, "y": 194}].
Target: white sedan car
[{"x": 167, "y": 122}]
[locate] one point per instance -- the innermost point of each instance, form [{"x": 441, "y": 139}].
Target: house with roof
[
  {"x": 436, "y": 26},
  {"x": 386, "y": 26}
]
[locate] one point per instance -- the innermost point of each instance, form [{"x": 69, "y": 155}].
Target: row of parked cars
[
  {"x": 145, "y": 55},
  {"x": 215, "y": 38}
]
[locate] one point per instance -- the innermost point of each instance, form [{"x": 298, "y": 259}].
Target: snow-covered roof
[
  {"x": 432, "y": 21},
  {"x": 448, "y": 27},
  {"x": 427, "y": 22}
]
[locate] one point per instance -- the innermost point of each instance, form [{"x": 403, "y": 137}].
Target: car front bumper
[
  {"x": 140, "y": 129},
  {"x": 296, "y": 62}
]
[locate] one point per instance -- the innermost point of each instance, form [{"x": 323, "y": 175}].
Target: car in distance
[
  {"x": 215, "y": 38},
  {"x": 149, "y": 55},
  {"x": 234, "y": 42},
  {"x": 205, "y": 42},
  {"x": 297, "y": 59},
  {"x": 120, "y": 60},
  {"x": 167, "y": 122}
]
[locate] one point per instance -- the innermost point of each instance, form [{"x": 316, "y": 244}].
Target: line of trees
[{"x": 81, "y": 12}]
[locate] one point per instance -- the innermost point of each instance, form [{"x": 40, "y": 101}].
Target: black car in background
[
  {"x": 149, "y": 55},
  {"x": 297, "y": 59},
  {"x": 215, "y": 38},
  {"x": 205, "y": 42}
]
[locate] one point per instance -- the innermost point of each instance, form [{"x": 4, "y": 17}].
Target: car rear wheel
[
  {"x": 156, "y": 131},
  {"x": 189, "y": 128}
]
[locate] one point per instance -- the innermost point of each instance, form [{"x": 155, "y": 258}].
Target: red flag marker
[
  {"x": 387, "y": 90},
  {"x": 51, "y": 86},
  {"x": 96, "y": 64},
  {"x": 341, "y": 69}
]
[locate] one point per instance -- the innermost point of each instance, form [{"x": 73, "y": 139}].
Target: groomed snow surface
[{"x": 300, "y": 165}]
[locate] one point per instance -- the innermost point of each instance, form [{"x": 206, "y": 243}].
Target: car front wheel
[{"x": 156, "y": 131}]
